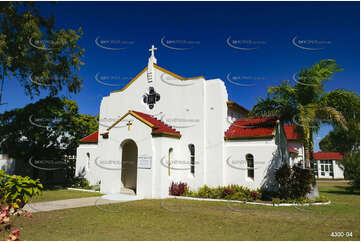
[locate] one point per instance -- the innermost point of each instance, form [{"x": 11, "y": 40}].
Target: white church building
[{"x": 163, "y": 128}]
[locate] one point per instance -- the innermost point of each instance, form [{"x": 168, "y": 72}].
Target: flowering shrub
[
  {"x": 178, "y": 189},
  {"x": 15, "y": 192},
  {"x": 7, "y": 215}
]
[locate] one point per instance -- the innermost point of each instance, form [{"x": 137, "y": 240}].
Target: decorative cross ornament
[
  {"x": 129, "y": 124},
  {"x": 152, "y": 50},
  {"x": 151, "y": 98}
]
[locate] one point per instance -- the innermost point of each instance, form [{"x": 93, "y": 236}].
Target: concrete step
[{"x": 127, "y": 191}]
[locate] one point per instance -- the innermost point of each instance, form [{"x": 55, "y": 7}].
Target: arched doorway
[{"x": 129, "y": 164}]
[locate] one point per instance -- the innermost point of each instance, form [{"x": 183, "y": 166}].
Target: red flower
[{"x": 14, "y": 235}]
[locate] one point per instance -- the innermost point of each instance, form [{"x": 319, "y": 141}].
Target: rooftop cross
[{"x": 152, "y": 50}]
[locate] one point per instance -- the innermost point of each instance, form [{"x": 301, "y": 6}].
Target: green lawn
[
  {"x": 196, "y": 220},
  {"x": 61, "y": 194}
]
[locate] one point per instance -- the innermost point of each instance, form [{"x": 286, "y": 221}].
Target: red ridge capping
[
  {"x": 327, "y": 156},
  {"x": 92, "y": 138},
  {"x": 257, "y": 127}
]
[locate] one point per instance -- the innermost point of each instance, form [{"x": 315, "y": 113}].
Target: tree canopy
[
  {"x": 304, "y": 103},
  {"x": 35, "y": 52},
  {"x": 348, "y": 103},
  {"x": 51, "y": 127}
]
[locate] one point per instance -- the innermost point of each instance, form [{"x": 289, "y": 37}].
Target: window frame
[
  {"x": 250, "y": 169},
  {"x": 192, "y": 151}
]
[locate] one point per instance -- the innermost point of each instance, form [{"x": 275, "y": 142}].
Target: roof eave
[
  {"x": 249, "y": 137},
  {"x": 166, "y": 134}
]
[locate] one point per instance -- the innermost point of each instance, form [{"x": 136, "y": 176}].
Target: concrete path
[{"x": 78, "y": 202}]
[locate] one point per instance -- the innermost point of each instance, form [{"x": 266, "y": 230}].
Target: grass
[
  {"x": 61, "y": 194},
  {"x": 175, "y": 219}
]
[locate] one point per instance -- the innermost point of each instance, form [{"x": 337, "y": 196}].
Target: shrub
[
  {"x": 234, "y": 192},
  {"x": 267, "y": 195},
  {"x": 227, "y": 191},
  {"x": 18, "y": 190},
  {"x": 294, "y": 183},
  {"x": 15, "y": 192},
  {"x": 178, "y": 189},
  {"x": 240, "y": 196},
  {"x": 283, "y": 177},
  {"x": 80, "y": 182},
  {"x": 301, "y": 181},
  {"x": 206, "y": 192},
  {"x": 351, "y": 164},
  {"x": 256, "y": 195}
]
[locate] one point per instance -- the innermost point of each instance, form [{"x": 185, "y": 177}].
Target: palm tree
[{"x": 302, "y": 104}]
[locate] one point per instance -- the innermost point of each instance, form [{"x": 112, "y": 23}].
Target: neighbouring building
[{"x": 327, "y": 165}]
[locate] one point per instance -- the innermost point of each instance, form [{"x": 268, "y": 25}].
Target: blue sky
[{"x": 264, "y": 31}]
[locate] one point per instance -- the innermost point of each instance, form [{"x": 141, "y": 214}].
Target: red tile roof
[
  {"x": 158, "y": 125},
  {"x": 290, "y": 131},
  {"x": 254, "y": 127},
  {"x": 327, "y": 156},
  {"x": 292, "y": 149},
  {"x": 92, "y": 138}
]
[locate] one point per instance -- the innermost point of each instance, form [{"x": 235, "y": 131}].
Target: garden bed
[{"x": 263, "y": 203}]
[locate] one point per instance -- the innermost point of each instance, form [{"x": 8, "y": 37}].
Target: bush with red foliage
[
  {"x": 255, "y": 195},
  {"x": 178, "y": 189},
  {"x": 228, "y": 192}
]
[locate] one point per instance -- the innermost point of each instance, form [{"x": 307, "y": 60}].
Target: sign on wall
[{"x": 144, "y": 162}]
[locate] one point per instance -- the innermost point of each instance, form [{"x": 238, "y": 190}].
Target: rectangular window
[
  {"x": 250, "y": 166},
  {"x": 250, "y": 173},
  {"x": 192, "y": 158},
  {"x": 322, "y": 168}
]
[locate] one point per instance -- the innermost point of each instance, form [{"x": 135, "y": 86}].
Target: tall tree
[
  {"x": 37, "y": 54},
  {"x": 348, "y": 103},
  {"x": 302, "y": 103},
  {"x": 49, "y": 128}
]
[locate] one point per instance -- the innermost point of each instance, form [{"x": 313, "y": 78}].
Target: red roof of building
[
  {"x": 290, "y": 131},
  {"x": 292, "y": 149},
  {"x": 254, "y": 127},
  {"x": 92, "y": 138},
  {"x": 327, "y": 156},
  {"x": 158, "y": 125}
]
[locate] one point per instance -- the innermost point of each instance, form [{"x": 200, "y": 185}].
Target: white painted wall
[
  {"x": 301, "y": 153},
  {"x": 338, "y": 170},
  {"x": 200, "y": 100}
]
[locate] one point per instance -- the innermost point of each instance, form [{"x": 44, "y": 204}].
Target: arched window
[
  {"x": 170, "y": 151},
  {"x": 250, "y": 166},
  {"x": 192, "y": 158}
]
